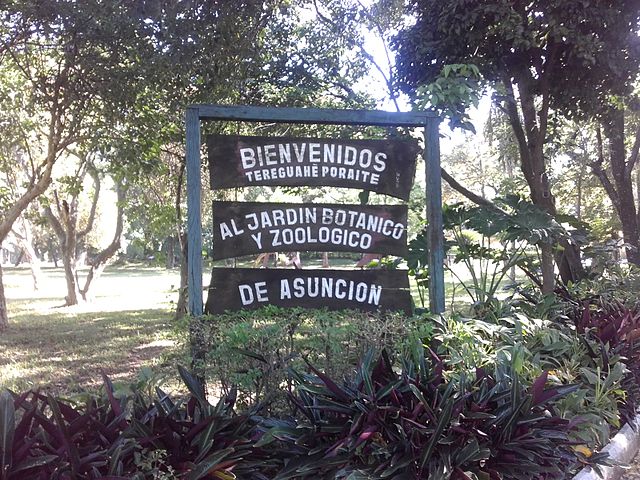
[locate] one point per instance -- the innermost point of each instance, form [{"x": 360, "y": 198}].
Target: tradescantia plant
[
  {"x": 389, "y": 422},
  {"x": 612, "y": 331},
  {"x": 411, "y": 423},
  {"x": 129, "y": 437}
]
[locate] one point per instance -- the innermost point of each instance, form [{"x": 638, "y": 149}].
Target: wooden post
[
  {"x": 194, "y": 225},
  {"x": 435, "y": 235}
]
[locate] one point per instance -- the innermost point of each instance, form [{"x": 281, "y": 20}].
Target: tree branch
[
  {"x": 477, "y": 199},
  {"x": 529, "y": 115},
  {"x": 93, "y": 171},
  {"x": 386, "y": 76},
  {"x": 55, "y": 224},
  {"x": 511, "y": 107},
  {"x": 24, "y": 201},
  {"x": 598, "y": 171},
  {"x": 635, "y": 150},
  {"x": 100, "y": 262},
  {"x": 543, "y": 114}
]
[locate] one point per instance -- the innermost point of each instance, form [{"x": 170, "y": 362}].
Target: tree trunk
[
  {"x": 183, "y": 293},
  {"x": 67, "y": 239},
  {"x": 626, "y": 207},
  {"x": 19, "y": 258},
  {"x": 4, "y": 317},
  {"x": 70, "y": 276},
  {"x": 102, "y": 259},
  {"x": 36, "y": 271},
  {"x": 638, "y": 187},
  {"x": 534, "y": 169},
  {"x": 579, "y": 191},
  {"x": 548, "y": 274},
  {"x": 620, "y": 191},
  {"x": 51, "y": 248},
  {"x": 530, "y": 131},
  {"x": 170, "y": 246},
  {"x": 25, "y": 241}
]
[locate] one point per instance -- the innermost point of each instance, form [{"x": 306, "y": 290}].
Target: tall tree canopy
[
  {"x": 112, "y": 78},
  {"x": 541, "y": 57}
]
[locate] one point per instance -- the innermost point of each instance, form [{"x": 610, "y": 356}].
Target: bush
[
  {"x": 130, "y": 437},
  {"x": 384, "y": 422},
  {"x": 411, "y": 423},
  {"x": 606, "y": 390},
  {"x": 251, "y": 351}
]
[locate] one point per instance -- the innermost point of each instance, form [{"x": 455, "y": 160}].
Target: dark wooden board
[
  {"x": 383, "y": 166},
  {"x": 251, "y": 288},
  {"x": 245, "y": 228}
]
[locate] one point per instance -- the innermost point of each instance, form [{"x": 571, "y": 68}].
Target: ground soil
[{"x": 634, "y": 470}]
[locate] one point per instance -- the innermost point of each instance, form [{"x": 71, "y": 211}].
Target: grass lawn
[{"x": 126, "y": 327}]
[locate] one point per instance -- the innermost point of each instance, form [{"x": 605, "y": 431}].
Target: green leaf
[
  {"x": 193, "y": 384},
  {"x": 204, "y": 467},
  {"x": 443, "y": 421},
  {"x": 7, "y": 430}
]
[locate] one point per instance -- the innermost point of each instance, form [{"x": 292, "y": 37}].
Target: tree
[
  {"x": 110, "y": 65},
  {"x": 72, "y": 230},
  {"x": 202, "y": 54},
  {"x": 538, "y": 56},
  {"x": 59, "y": 65},
  {"x": 621, "y": 163},
  {"x": 23, "y": 234}
]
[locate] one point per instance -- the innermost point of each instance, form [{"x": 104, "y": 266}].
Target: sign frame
[{"x": 428, "y": 120}]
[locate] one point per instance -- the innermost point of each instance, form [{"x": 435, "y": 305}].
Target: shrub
[
  {"x": 386, "y": 422},
  {"x": 130, "y": 437},
  {"x": 251, "y": 351},
  {"x": 534, "y": 345},
  {"x": 413, "y": 424},
  {"x": 613, "y": 330}
]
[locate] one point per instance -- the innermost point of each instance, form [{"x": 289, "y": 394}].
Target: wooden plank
[
  {"x": 435, "y": 235},
  {"x": 247, "y": 228},
  {"x": 383, "y": 166},
  {"x": 251, "y": 288},
  {"x": 194, "y": 225},
  {"x": 313, "y": 115}
]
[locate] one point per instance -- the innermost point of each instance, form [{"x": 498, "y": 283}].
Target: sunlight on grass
[{"x": 125, "y": 328}]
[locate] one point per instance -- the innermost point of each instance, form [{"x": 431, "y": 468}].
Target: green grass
[{"x": 128, "y": 326}]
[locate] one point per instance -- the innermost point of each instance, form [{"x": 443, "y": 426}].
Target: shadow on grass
[{"x": 66, "y": 351}]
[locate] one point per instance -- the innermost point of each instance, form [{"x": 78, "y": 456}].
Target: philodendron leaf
[{"x": 7, "y": 430}]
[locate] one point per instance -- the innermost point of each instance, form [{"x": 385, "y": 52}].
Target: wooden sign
[
  {"x": 383, "y": 166},
  {"x": 250, "y": 228},
  {"x": 366, "y": 290}
]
